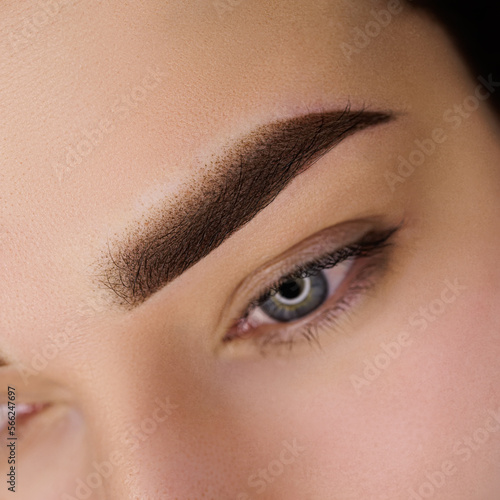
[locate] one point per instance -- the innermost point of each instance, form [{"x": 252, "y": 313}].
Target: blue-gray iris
[{"x": 297, "y": 298}]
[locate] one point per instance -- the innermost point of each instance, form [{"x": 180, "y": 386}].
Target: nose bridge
[
  {"x": 160, "y": 421},
  {"x": 153, "y": 428},
  {"x": 164, "y": 424},
  {"x": 136, "y": 446},
  {"x": 160, "y": 450}
]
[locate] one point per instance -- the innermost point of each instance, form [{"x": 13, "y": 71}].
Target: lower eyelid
[
  {"x": 269, "y": 335},
  {"x": 326, "y": 318},
  {"x": 338, "y": 275},
  {"x": 370, "y": 263}
]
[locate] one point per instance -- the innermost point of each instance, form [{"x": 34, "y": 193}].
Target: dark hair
[{"x": 474, "y": 26}]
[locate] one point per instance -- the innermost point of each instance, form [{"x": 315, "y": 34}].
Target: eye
[
  {"x": 314, "y": 294},
  {"x": 13, "y": 419},
  {"x": 298, "y": 297},
  {"x": 39, "y": 418}
]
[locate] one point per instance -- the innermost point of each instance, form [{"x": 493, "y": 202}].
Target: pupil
[{"x": 291, "y": 289}]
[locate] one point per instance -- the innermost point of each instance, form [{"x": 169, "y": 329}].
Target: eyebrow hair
[{"x": 234, "y": 187}]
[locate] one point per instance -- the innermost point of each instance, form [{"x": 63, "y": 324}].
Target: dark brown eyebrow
[{"x": 233, "y": 188}]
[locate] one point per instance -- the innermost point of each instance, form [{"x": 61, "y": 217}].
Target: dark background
[{"x": 475, "y": 26}]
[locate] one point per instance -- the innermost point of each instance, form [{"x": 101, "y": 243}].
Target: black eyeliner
[{"x": 368, "y": 245}]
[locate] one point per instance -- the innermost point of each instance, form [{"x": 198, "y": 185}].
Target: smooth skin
[{"x": 402, "y": 399}]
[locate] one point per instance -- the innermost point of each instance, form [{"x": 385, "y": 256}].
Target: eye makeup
[{"x": 361, "y": 259}]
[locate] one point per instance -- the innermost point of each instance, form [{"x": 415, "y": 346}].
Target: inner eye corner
[{"x": 297, "y": 298}]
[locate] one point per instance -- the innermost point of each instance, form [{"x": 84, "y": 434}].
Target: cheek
[{"x": 430, "y": 420}]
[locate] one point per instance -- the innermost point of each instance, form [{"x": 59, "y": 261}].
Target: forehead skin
[
  {"x": 111, "y": 107},
  {"x": 211, "y": 81}
]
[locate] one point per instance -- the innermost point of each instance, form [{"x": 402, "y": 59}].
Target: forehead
[
  {"x": 108, "y": 106},
  {"x": 100, "y": 93}
]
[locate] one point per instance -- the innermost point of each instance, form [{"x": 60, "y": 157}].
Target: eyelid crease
[
  {"x": 329, "y": 260},
  {"x": 239, "y": 181},
  {"x": 311, "y": 326},
  {"x": 336, "y": 236}
]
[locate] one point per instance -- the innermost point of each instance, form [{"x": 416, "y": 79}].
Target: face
[{"x": 248, "y": 251}]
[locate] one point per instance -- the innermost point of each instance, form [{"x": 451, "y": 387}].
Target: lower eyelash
[
  {"x": 371, "y": 256},
  {"x": 327, "y": 319}
]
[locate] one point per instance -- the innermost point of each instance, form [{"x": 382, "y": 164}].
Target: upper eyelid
[
  {"x": 299, "y": 272},
  {"x": 302, "y": 252},
  {"x": 138, "y": 265},
  {"x": 336, "y": 236},
  {"x": 338, "y": 256}
]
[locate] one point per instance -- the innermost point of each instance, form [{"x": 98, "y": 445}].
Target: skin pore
[{"x": 115, "y": 115}]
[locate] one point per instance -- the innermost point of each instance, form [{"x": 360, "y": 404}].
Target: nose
[{"x": 155, "y": 428}]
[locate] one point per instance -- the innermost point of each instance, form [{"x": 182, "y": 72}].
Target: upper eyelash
[
  {"x": 311, "y": 331},
  {"x": 371, "y": 242}
]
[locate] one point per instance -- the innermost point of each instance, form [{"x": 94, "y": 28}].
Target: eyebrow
[{"x": 233, "y": 188}]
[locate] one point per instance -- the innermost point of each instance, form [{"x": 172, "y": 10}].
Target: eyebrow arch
[{"x": 233, "y": 188}]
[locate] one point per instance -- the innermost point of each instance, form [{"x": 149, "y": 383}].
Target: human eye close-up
[{"x": 249, "y": 250}]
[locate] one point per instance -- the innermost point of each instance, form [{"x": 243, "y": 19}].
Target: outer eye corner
[{"x": 281, "y": 313}]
